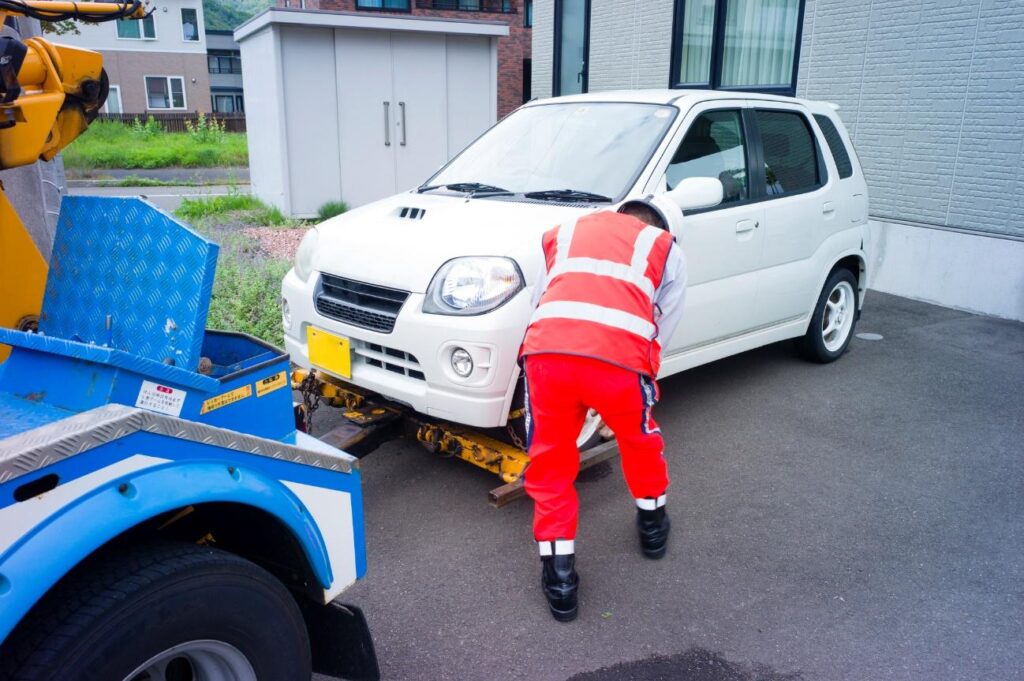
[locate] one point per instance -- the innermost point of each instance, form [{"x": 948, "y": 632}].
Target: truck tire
[
  {"x": 833, "y": 320},
  {"x": 161, "y": 612}
]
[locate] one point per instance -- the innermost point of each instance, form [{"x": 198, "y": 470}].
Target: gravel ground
[{"x": 275, "y": 242}]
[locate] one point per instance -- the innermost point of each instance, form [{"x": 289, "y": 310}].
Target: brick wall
[{"x": 511, "y": 50}]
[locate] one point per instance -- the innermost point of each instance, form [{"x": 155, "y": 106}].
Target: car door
[
  {"x": 722, "y": 244},
  {"x": 801, "y": 209}
]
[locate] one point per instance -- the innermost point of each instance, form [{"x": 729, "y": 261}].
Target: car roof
[{"x": 668, "y": 96}]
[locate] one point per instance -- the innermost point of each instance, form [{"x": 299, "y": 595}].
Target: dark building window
[
  {"x": 737, "y": 44},
  {"x": 495, "y": 6},
  {"x": 224, "y": 61},
  {"x": 385, "y": 5},
  {"x": 528, "y": 13},
  {"x": 527, "y": 79}
]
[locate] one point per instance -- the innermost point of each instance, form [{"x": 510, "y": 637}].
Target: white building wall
[
  {"x": 167, "y": 22},
  {"x": 630, "y": 43},
  {"x": 264, "y": 118}
]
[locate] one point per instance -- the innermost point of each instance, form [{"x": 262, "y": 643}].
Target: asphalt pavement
[
  {"x": 166, "y": 198},
  {"x": 862, "y": 520}
]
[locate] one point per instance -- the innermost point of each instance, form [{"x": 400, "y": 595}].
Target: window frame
[
  {"x": 181, "y": 16},
  {"x": 718, "y": 51},
  {"x": 406, "y": 10},
  {"x": 235, "y": 56},
  {"x": 142, "y": 31},
  {"x": 170, "y": 94},
  {"x": 113, "y": 90},
  {"x": 556, "y": 81}
]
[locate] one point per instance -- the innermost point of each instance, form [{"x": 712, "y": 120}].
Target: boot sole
[{"x": 564, "y": 615}]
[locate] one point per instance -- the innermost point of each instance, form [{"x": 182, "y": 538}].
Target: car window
[
  {"x": 713, "y": 147},
  {"x": 835, "y": 145},
  {"x": 790, "y": 155}
]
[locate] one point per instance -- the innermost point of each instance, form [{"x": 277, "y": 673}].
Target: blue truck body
[{"x": 123, "y": 413}]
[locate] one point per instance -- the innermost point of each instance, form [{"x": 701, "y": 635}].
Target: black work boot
[
  {"x": 559, "y": 581},
  {"x": 653, "y": 527}
]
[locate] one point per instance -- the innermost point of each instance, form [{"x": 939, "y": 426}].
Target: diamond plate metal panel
[
  {"x": 47, "y": 444},
  {"x": 125, "y": 258}
]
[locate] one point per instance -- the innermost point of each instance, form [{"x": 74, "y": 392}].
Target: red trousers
[{"x": 560, "y": 391}]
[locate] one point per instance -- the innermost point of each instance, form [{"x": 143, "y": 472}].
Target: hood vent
[{"x": 408, "y": 213}]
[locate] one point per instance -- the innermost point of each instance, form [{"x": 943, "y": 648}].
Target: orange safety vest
[{"x": 602, "y": 271}]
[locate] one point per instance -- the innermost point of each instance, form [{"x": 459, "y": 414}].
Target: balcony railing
[{"x": 493, "y": 6}]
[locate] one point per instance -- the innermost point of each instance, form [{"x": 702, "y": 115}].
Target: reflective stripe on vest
[{"x": 589, "y": 312}]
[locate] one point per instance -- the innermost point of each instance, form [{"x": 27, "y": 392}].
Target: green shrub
[
  {"x": 246, "y": 298},
  {"x": 206, "y": 206},
  {"x": 205, "y": 129},
  {"x": 332, "y": 208}
]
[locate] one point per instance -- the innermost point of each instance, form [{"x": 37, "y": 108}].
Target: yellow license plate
[{"x": 329, "y": 352}]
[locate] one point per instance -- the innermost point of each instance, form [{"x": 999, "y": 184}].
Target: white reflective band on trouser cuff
[
  {"x": 650, "y": 504},
  {"x": 559, "y": 547},
  {"x": 588, "y": 312},
  {"x": 604, "y": 268}
]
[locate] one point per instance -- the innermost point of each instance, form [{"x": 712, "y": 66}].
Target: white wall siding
[
  {"x": 630, "y": 44},
  {"x": 166, "y": 22},
  {"x": 930, "y": 92},
  {"x": 543, "y": 48}
]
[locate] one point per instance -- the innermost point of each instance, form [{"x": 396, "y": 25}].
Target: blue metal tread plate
[{"x": 18, "y": 414}]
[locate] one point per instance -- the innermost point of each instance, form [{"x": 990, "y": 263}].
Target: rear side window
[
  {"x": 835, "y": 144},
  {"x": 790, "y": 155},
  {"x": 713, "y": 147}
]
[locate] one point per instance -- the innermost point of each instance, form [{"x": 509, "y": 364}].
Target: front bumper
[{"x": 412, "y": 364}]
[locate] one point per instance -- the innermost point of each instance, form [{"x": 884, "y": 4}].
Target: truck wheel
[
  {"x": 834, "y": 318},
  {"x": 590, "y": 434},
  {"x": 162, "y": 612}
]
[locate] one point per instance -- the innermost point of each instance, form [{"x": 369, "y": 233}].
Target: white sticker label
[{"x": 161, "y": 398}]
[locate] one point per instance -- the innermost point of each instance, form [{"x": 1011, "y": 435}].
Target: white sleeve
[{"x": 671, "y": 295}]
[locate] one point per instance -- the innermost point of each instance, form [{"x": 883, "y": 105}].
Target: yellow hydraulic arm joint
[{"x": 48, "y": 96}]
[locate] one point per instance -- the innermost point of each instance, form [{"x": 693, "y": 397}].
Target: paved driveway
[{"x": 861, "y": 520}]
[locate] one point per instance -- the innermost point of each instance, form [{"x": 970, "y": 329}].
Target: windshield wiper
[
  {"x": 567, "y": 194},
  {"x": 473, "y": 188}
]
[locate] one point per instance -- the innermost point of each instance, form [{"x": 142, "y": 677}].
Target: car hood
[{"x": 401, "y": 241}]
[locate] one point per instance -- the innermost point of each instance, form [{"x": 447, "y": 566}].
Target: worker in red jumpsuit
[{"x": 611, "y": 295}]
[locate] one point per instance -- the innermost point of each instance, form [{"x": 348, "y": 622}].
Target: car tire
[
  {"x": 833, "y": 321},
  {"x": 590, "y": 436},
  {"x": 185, "y": 610}
]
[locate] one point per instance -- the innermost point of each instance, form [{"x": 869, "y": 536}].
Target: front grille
[
  {"x": 395, "y": 361},
  {"x": 364, "y": 305}
]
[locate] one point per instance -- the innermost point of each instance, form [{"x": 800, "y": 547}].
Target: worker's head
[{"x": 654, "y": 210}]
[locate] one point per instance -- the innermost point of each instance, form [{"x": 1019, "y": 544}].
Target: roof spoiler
[{"x": 832, "y": 105}]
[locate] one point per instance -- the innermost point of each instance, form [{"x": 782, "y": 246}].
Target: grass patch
[
  {"x": 246, "y": 297},
  {"x": 244, "y": 208},
  {"x": 109, "y": 144},
  {"x": 332, "y": 208}
]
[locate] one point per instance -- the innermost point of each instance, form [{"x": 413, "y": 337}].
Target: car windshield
[{"x": 592, "y": 147}]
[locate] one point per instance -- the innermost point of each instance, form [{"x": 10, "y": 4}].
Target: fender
[
  {"x": 31, "y": 566},
  {"x": 857, "y": 251}
]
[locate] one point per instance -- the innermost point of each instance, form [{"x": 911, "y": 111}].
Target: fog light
[
  {"x": 286, "y": 313},
  {"x": 462, "y": 362}
]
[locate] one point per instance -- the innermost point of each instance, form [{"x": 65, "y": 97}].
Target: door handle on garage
[
  {"x": 401, "y": 107},
  {"x": 387, "y": 124},
  {"x": 746, "y": 226}
]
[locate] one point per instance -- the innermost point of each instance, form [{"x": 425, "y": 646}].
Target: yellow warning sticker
[
  {"x": 224, "y": 399},
  {"x": 271, "y": 383}
]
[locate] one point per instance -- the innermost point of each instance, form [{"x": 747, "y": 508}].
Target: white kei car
[{"x": 424, "y": 297}]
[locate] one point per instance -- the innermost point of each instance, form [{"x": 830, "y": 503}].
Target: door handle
[
  {"x": 746, "y": 226},
  {"x": 401, "y": 107},
  {"x": 828, "y": 207},
  {"x": 387, "y": 124}
]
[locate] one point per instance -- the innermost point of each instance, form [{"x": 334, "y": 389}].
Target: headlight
[
  {"x": 474, "y": 285},
  {"x": 304, "y": 254}
]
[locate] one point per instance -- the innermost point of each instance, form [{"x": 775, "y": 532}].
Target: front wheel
[
  {"x": 589, "y": 437},
  {"x": 833, "y": 320},
  {"x": 163, "y": 612}
]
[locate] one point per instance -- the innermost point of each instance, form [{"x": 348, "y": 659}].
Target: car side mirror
[{"x": 694, "y": 193}]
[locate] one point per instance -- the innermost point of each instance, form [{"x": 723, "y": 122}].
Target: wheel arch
[{"x": 240, "y": 512}]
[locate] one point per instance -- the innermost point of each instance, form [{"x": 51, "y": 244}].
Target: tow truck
[{"x": 161, "y": 517}]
